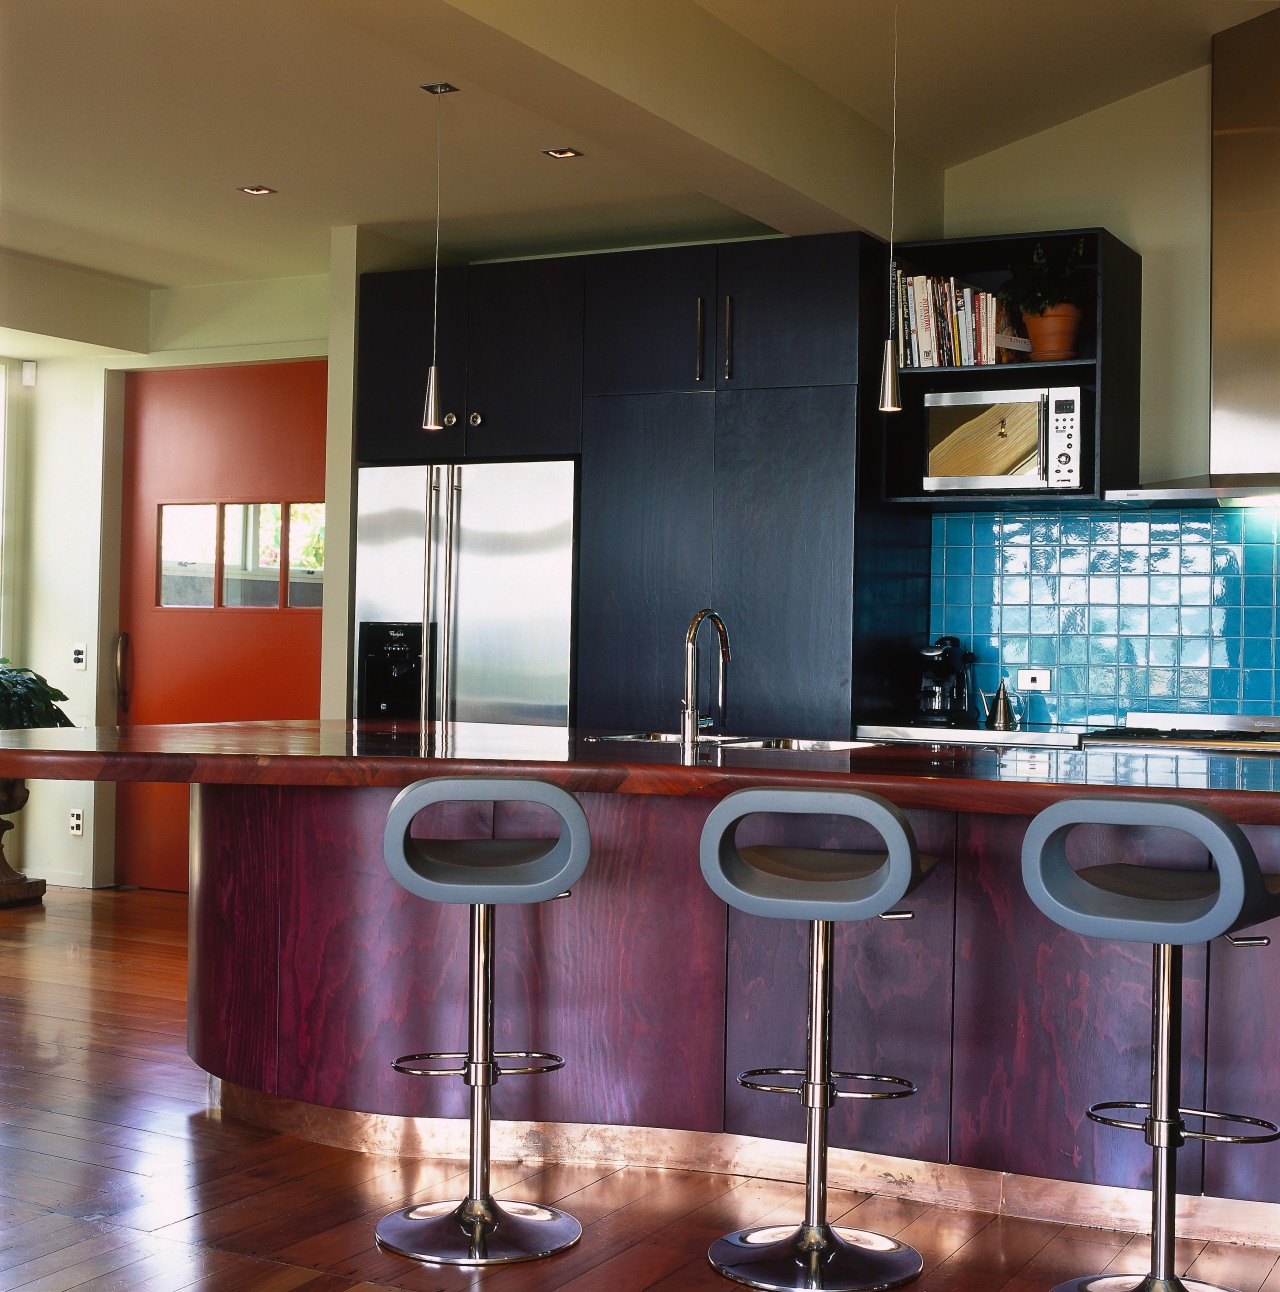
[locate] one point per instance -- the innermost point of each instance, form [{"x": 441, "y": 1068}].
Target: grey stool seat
[
  {"x": 481, "y": 874},
  {"x": 820, "y": 886},
  {"x": 1168, "y": 908}
]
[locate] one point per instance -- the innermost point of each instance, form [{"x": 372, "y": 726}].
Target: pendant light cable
[
  {"x": 431, "y": 406},
  {"x": 893, "y": 154},
  {"x": 435, "y": 283},
  {"x": 890, "y": 400}
]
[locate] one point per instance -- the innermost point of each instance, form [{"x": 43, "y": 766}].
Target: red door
[{"x": 211, "y": 455}]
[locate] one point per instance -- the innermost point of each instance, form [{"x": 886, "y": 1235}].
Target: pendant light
[
  {"x": 890, "y": 401},
  {"x": 431, "y": 407}
]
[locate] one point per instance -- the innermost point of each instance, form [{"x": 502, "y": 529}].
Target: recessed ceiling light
[
  {"x": 439, "y": 87},
  {"x": 256, "y": 190},
  {"x": 561, "y": 153}
]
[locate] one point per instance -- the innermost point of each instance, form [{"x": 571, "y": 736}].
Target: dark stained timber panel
[
  {"x": 891, "y": 1012},
  {"x": 624, "y": 978},
  {"x": 644, "y": 554},
  {"x": 233, "y": 966},
  {"x": 1244, "y": 1042},
  {"x": 1048, "y": 1022}
]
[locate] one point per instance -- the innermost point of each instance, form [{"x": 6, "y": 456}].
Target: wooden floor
[{"x": 114, "y": 1175}]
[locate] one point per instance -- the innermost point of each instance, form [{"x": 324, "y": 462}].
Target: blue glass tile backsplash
[{"x": 1154, "y": 610}]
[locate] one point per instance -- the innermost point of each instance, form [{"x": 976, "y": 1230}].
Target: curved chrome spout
[{"x": 691, "y": 721}]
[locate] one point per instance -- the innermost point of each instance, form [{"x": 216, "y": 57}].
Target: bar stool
[
  {"x": 1170, "y": 909},
  {"x": 821, "y": 886},
  {"x": 481, "y": 874}
]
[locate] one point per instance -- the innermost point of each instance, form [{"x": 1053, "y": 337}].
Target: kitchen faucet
[{"x": 691, "y": 722}]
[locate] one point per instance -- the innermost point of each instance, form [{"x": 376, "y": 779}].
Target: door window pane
[
  {"x": 251, "y": 554},
  {"x": 306, "y": 553},
  {"x": 188, "y": 537}
]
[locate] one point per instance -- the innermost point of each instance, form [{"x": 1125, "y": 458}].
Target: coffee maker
[{"x": 946, "y": 684}]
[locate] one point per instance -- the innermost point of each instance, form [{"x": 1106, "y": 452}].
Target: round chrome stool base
[
  {"x": 481, "y": 1232},
  {"x": 1137, "y": 1283},
  {"x": 829, "y": 1258}
]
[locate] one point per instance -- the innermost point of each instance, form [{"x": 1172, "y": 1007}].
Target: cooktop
[{"x": 1221, "y": 733}]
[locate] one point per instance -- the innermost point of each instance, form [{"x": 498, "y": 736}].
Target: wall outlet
[
  {"x": 1034, "y": 679},
  {"x": 79, "y": 656},
  {"x": 77, "y": 821}
]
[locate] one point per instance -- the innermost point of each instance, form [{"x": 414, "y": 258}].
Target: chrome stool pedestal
[
  {"x": 820, "y": 885},
  {"x": 1169, "y": 909},
  {"x": 477, "y": 1230}
]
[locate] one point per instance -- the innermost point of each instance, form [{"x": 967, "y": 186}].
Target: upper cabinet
[
  {"x": 743, "y": 315},
  {"x": 787, "y": 311},
  {"x": 524, "y": 359},
  {"x": 650, "y": 322},
  {"x": 509, "y": 358},
  {"x": 988, "y": 433}
]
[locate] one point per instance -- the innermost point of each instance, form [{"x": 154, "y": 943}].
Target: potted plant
[
  {"x": 1049, "y": 294},
  {"x": 26, "y": 700}
]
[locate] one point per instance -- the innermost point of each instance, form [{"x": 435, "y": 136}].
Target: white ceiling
[{"x": 127, "y": 125}]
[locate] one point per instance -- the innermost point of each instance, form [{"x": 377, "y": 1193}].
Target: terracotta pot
[{"x": 1053, "y": 333}]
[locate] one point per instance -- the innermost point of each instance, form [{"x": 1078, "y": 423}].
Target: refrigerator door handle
[
  {"x": 450, "y": 503},
  {"x": 428, "y": 703}
]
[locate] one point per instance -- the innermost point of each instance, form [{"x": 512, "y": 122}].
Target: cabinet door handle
[
  {"x": 475, "y": 419},
  {"x": 701, "y": 318},
  {"x": 728, "y": 338},
  {"x": 122, "y": 651},
  {"x": 897, "y": 915}
]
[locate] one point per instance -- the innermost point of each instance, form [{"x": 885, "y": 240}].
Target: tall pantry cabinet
[{"x": 721, "y": 460}]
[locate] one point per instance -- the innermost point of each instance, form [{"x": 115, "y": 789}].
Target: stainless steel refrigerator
[{"x": 464, "y": 592}]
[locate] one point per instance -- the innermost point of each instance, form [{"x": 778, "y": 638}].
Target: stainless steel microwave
[{"x": 1003, "y": 439}]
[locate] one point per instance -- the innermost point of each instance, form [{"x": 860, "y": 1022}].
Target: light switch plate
[{"x": 1034, "y": 679}]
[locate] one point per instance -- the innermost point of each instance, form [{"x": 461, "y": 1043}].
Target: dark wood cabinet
[
  {"x": 891, "y": 1008},
  {"x": 644, "y": 553},
  {"x": 650, "y": 321},
  {"x": 524, "y": 359},
  {"x": 787, "y": 310},
  {"x": 1107, "y": 367},
  {"x": 509, "y": 355},
  {"x": 744, "y": 315},
  {"x": 784, "y": 502},
  {"x": 393, "y": 354},
  {"x": 776, "y": 488},
  {"x": 1048, "y": 1022},
  {"x": 1244, "y": 1039}
]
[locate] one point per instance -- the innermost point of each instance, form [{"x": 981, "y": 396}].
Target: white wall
[
  {"x": 67, "y": 453},
  {"x": 353, "y": 251},
  {"x": 1141, "y": 168},
  {"x": 57, "y": 572}
]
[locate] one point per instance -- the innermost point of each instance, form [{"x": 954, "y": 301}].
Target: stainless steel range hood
[{"x": 1244, "y": 425}]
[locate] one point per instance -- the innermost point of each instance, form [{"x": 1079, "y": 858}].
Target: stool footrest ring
[
  {"x": 1270, "y": 1130},
  {"x": 748, "y": 1079},
  {"x": 408, "y": 1063},
  {"x": 548, "y": 1063}
]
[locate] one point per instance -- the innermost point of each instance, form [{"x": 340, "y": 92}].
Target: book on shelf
[{"x": 944, "y": 322}]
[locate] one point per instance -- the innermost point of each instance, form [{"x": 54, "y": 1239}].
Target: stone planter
[{"x": 15, "y": 889}]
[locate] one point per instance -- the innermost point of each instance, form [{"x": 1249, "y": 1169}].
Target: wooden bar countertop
[{"x": 355, "y": 754}]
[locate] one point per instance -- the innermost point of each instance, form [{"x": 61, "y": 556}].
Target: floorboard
[{"x": 116, "y": 1177}]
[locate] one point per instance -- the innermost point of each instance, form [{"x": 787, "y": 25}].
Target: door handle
[
  {"x": 728, "y": 338},
  {"x": 701, "y": 324},
  {"x": 122, "y": 653}
]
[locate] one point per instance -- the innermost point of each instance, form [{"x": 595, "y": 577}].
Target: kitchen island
[{"x": 310, "y": 969}]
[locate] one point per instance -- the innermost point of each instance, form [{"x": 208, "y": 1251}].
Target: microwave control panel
[{"x": 1062, "y": 465}]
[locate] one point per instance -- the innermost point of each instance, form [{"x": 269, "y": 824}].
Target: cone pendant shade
[
  {"x": 431, "y": 409},
  {"x": 889, "y": 398}
]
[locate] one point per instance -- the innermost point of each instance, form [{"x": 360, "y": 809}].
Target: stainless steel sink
[
  {"x": 790, "y": 743},
  {"x": 670, "y": 738},
  {"x": 804, "y": 746}
]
